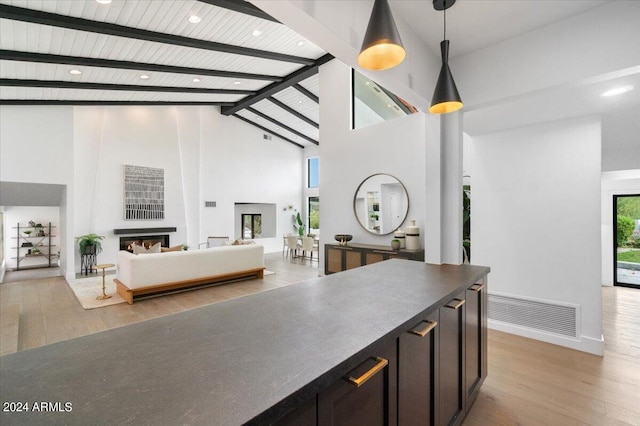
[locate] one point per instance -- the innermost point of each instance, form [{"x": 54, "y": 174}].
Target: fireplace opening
[{"x": 147, "y": 241}]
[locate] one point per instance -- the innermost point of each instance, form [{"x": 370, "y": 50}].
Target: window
[
  {"x": 312, "y": 172},
  {"x": 373, "y": 103},
  {"x": 251, "y": 226},
  {"x": 314, "y": 215}
]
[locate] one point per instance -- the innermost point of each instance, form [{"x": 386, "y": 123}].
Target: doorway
[{"x": 626, "y": 235}]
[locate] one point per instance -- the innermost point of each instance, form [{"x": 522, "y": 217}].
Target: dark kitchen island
[{"x": 402, "y": 341}]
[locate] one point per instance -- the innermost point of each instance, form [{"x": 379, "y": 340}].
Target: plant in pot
[
  {"x": 90, "y": 243},
  {"x": 395, "y": 244},
  {"x": 298, "y": 224}
]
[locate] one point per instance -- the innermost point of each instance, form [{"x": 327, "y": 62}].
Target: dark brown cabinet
[
  {"x": 475, "y": 340},
  {"x": 365, "y": 396},
  {"x": 452, "y": 361},
  {"x": 339, "y": 258},
  {"x": 418, "y": 365}
]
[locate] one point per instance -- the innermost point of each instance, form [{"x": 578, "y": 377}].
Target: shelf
[{"x": 36, "y": 243}]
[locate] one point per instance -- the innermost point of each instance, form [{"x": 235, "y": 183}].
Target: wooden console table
[{"x": 339, "y": 258}]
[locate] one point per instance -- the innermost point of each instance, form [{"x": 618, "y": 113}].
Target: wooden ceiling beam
[
  {"x": 284, "y": 126},
  {"x": 307, "y": 93},
  {"x": 98, "y": 103},
  {"x": 70, "y": 22},
  {"x": 289, "y": 81},
  {"x": 246, "y": 120},
  {"x": 293, "y": 112},
  {"x": 14, "y": 55},
  {"x": 59, "y": 84},
  {"x": 241, "y": 6}
]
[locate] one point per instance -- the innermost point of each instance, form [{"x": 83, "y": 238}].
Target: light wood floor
[
  {"x": 529, "y": 382},
  {"x": 536, "y": 383},
  {"x": 49, "y": 311}
]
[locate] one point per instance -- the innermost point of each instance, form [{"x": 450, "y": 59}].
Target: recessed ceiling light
[
  {"x": 256, "y": 33},
  {"x": 103, "y": 1},
  {"x": 299, "y": 102},
  {"x": 277, "y": 128},
  {"x": 368, "y": 83},
  {"x": 301, "y": 43},
  {"x": 237, "y": 83},
  {"x": 75, "y": 72},
  {"x": 618, "y": 91},
  {"x": 194, "y": 19},
  {"x": 196, "y": 80},
  {"x": 144, "y": 77}
]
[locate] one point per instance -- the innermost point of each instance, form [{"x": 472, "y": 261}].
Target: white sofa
[{"x": 146, "y": 274}]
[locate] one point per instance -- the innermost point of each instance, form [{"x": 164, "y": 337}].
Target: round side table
[{"x": 103, "y": 266}]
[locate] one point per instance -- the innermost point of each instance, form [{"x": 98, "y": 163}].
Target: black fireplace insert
[{"x": 143, "y": 240}]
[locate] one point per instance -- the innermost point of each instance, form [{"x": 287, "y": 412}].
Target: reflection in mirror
[
  {"x": 381, "y": 204},
  {"x": 373, "y": 103}
]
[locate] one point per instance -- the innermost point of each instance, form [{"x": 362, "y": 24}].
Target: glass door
[{"x": 626, "y": 233}]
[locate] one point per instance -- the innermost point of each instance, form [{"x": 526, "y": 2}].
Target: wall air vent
[
  {"x": 537, "y": 315},
  {"x": 266, "y": 136},
  {"x": 209, "y": 203}
]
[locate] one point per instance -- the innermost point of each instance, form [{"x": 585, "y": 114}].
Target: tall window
[
  {"x": 251, "y": 225},
  {"x": 312, "y": 172},
  {"x": 314, "y": 214}
]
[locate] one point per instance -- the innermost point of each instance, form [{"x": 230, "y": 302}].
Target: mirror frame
[{"x": 355, "y": 197}]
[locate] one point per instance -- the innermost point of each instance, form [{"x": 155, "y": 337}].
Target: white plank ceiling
[{"x": 41, "y": 76}]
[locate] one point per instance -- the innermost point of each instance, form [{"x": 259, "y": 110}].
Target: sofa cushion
[
  {"x": 174, "y": 248},
  {"x": 142, "y": 250}
]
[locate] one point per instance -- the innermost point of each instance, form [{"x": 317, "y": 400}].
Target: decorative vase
[
  {"x": 399, "y": 235},
  {"x": 412, "y": 236},
  {"x": 395, "y": 244}
]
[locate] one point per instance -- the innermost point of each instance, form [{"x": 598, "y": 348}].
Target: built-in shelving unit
[{"x": 34, "y": 242}]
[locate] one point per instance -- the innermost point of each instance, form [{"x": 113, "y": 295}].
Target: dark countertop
[{"x": 246, "y": 359}]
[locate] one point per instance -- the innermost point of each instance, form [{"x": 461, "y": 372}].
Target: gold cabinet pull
[
  {"x": 477, "y": 287},
  {"x": 455, "y": 304},
  {"x": 430, "y": 326},
  {"x": 357, "y": 382}
]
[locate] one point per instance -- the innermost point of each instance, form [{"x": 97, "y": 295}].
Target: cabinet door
[
  {"x": 333, "y": 260},
  {"x": 418, "y": 374},
  {"x": 303, "y": 415},
  {"x": 452, "y": 328},
  {"x": 366, "y": 396},
  {"x": 476, "y": 340}
]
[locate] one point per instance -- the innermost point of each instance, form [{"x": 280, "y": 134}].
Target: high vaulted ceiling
[{"x": 150, "y": 53}]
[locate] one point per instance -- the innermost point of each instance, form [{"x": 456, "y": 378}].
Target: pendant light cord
[{"x": 444, "y": 36}]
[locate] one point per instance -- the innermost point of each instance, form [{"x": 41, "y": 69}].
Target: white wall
[
  {"x": 36, "y": 146},
  {"x": 536, "y": 218},
  {"x": 621, "y": 139},
  {"x": 396, "y": 147},
  {"x": 205, "y": 156},
  {"x": 613, "y": 183}
]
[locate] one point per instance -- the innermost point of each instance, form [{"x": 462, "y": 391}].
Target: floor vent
[{"x": 542, "y": 316}]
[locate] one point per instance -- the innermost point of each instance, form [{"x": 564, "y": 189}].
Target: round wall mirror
[{"x": 381, "y": 204}]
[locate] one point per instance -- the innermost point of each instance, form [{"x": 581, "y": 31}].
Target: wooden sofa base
[{"x": 130, "y": 294}]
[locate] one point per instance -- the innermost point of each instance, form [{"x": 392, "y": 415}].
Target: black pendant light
[
  {"x": 381, "y": 47},
  {"x": 445, "y": 97}
]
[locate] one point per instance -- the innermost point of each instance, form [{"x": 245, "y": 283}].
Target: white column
[{"x": 451, "y": 185}]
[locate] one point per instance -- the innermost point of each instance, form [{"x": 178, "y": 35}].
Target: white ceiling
[
  {"x": 475, "y": 24},
  {"x": 218, "y": 25}
]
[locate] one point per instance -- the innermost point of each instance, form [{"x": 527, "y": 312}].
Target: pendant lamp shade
[
  {"x": 445, "y": 97},
  {"x": 381, "y": 47}
]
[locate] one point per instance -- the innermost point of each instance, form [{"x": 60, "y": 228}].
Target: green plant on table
[{"x": 90, "y": 240}]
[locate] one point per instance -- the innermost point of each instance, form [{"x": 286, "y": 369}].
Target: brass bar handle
[
  {"x": 430, "y": 326},
  {"x": 455, "y": 305},
  {"x": 357, "y": 382},
  {"x": 477, "y": 287}
]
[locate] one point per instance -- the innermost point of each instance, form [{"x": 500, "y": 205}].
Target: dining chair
[
  {"x": 292, "y": 245},
  {"x": 308, "y": 245}
]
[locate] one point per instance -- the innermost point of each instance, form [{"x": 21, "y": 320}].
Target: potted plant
[
  {"x": 298, "y": 224},
  {"x": 395, "y": 244},
  {"x": 39, "y": 230},
  {"x": 90, "y": 243},
  {"x": 28, "y": 232}
]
